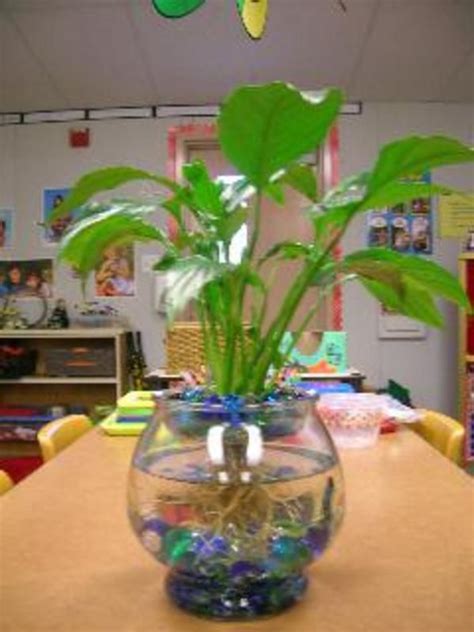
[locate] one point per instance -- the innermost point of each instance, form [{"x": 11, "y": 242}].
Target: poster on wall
[
  {"x": 53, "y": 232},
  {"x": 27, "y": 278},
  {"x": 6, "y": 228},
  {"x": 406, "y": 227},
  {"x": 456, "y": 215},
  {"x": 115, "y": 275}
]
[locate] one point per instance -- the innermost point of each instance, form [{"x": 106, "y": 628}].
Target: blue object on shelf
[{"x": 318, "y": 388}]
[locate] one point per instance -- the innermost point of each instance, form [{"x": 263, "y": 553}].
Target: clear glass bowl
[{"x": 236, "y": 521}]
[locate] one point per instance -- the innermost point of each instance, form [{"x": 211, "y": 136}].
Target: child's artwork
[
  {"x": 52, "y": 198},
  {"x": 115, "y": 276},
  {"x": 6, "y": 229},
  {"x": 406, "y": 227},
  {"x": 24, "y": 279}
]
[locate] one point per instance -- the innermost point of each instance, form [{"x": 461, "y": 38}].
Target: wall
[{"x": 37, "y": 156}]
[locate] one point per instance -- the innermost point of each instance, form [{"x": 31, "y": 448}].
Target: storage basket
[
  {"x": 16, "y": 361},
  {"x": 185, "y": 347},
  {"x": 80, "y": 362}
]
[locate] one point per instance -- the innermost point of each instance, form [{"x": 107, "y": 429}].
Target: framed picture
[
  {"x": 27, "y": 278},
  {"x": 52, "y": 198},
  {"x": 6, "y": 228},
  {"x": 115, "y": 275}
]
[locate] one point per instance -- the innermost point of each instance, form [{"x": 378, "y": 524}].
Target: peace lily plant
[{"x": 264, "y": 131}]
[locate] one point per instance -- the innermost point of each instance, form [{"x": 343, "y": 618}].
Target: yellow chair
[
  {"x": 6, "y": 482},
  {"x": 444, "y": 433},
  {"x": 58, "y": 434}
]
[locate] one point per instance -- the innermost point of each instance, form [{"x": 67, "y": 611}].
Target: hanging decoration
[{"x": 253, "y": 13}]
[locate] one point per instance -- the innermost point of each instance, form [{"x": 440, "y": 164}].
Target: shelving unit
[
  {"x": 41, "y": 388},
  {"x": 466, "y": 355}
]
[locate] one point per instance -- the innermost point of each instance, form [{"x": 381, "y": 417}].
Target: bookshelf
[{"x": 466, "y": 355}]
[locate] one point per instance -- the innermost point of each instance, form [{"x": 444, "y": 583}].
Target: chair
[
  {"x": 6, "y": 482},
  {"x": 444, "y": 433},
  {"x": 58, "y": 434}
]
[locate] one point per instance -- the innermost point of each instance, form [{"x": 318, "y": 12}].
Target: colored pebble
[
  {"x": 317, "y": 539},
  {"x": 176, "y": 543},
  {"x": 290, "y": 552},
  {"x": 260, "y": 596}
]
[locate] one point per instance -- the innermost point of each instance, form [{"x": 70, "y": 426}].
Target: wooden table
[{"x": 403, "y": 561}]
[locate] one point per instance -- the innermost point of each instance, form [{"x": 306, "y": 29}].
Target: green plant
[{"x": 264, "y": 131}]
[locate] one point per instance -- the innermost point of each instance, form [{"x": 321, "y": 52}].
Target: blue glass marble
[{"x": 261, "y": 596}]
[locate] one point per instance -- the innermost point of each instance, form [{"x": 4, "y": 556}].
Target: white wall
[
  {"x": 34, "y": 157},
  {"x": 427, "y": 367}
]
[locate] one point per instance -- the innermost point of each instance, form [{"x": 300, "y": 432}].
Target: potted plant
[{"x": 235, "y": 486}]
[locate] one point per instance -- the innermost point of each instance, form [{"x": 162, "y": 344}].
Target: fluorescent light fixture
[
  {"x": 58, "y": 116},
  {"x": 115, "y": 113},
  {"x": 169, "y": 111},
  {"x": 10, "y": 119}
]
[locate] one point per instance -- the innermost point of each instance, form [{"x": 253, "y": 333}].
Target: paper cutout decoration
[
  {"x": 253, "y": 13},
  {"x": 254, "y": 16},
  {"x": 176, "y": 8}
]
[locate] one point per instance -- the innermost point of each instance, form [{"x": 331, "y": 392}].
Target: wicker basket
[{"x": 185, "y": 347}]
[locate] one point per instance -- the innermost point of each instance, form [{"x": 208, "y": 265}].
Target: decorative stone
[{"x": 177, "y": 542}]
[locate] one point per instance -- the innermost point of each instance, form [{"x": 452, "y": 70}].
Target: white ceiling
[{"x": 59, "y": 54}]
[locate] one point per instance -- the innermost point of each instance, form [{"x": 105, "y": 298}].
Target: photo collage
[{"x": 406, "y": 227}]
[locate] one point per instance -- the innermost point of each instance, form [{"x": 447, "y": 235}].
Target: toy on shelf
[
  {"x": 133, "y": 412},
  {"x": 318, "y": 352},
  {"x": 97, "y": 314},
  {"x": 59, "y": 318}
]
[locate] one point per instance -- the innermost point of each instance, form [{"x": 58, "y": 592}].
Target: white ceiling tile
[
  {"x": 414, "y": 47},
  {"x": 24, "y": 84},
  {"x": 461, "y": 83},
  {"x": 89, "y": 51}
]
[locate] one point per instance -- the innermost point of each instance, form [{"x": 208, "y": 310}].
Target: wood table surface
[{"x": 403, "y": 561}]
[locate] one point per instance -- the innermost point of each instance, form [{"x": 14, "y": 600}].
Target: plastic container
[{"x": 353, "y": 419}]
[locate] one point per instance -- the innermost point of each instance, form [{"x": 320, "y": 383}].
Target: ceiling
[{"x": 59, "y": 54}]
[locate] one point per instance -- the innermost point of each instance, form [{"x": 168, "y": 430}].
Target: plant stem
[{"x": 272, "y": 340}]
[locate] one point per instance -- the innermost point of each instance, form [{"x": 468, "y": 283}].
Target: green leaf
[
  {"x": 427, "y": 274},
  {"x": 275, "y": 191},
  {"x": 167, "y": 261},
  {"x": 415, "y": 302},
  {"x": 205, "y": 193},
  {"x": 186, "y": 278},
  {"x": 173, "y": 206},
  {"x": 398, "y": 192},
  {"x": 230, "y": 224},
  {"x": 327, "y": 223},
  {"x": 237, "y": 193},
  {"x": 287, "y": 250},
  {"x": 117, "y": 223},
  {"x": 264, "y": 128},
  {"x": 350, "y": 190},
  {"x": 103, "y": 180},
  {"x": 415, "y": 155},
  {"x": 301, "y": 178}
]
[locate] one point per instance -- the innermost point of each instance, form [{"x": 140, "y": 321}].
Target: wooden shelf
[
  {"x": 34, "y": 379},
  {"x": 466, "y": 359},
  {"x": 85, "y": 332},
  {"x": 44, "y": 388}
]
